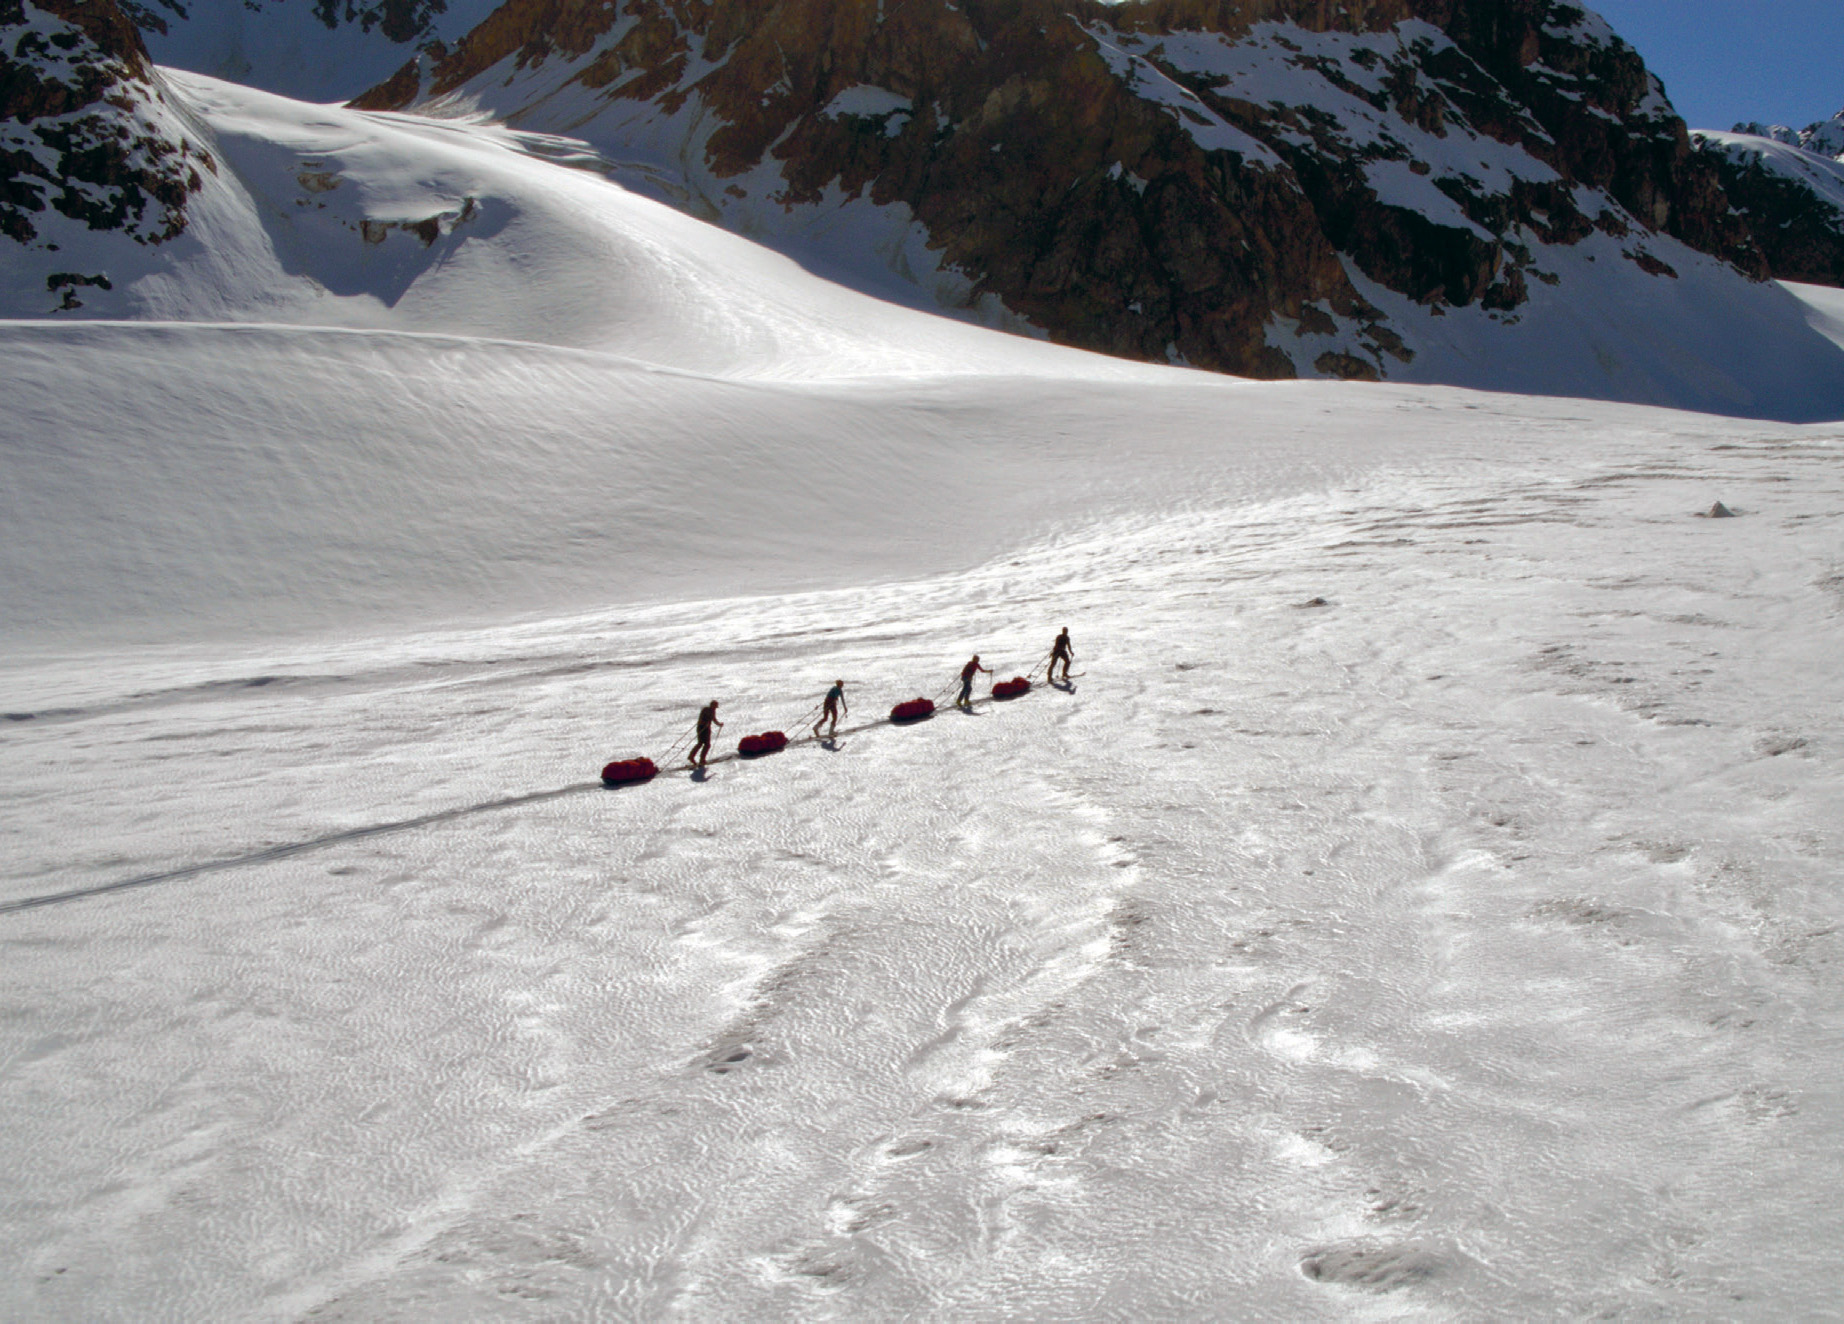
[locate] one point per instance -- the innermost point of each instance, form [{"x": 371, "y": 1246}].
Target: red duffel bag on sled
[
  {"x": 1011, "y": 689},
  {"x": 914, "y": 710},
  {"x": 767, "y": 743},
  {"x": 624, "y": 772}
]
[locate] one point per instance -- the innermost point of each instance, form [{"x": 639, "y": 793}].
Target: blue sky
[{"x": 1780, "y": 61}]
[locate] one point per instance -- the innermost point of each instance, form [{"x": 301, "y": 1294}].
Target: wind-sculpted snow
[
  {"x": 158, "y": 480},
  {"x": 1422, "y": 905}
]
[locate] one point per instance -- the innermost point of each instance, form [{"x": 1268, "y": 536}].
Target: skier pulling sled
[
  {"x": 1060, "y": 651},
  {"x": 701, "y": 747},
  {"x": 835, "y": 708},
  {"x": 967, "y": 674}
]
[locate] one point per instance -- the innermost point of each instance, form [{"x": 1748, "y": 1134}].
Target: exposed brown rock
[
  {"x": 93, "y": 154},
  {"x": 1089, "y": 208}
]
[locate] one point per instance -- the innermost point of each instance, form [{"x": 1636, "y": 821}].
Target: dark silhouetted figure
[
  {"x": 707, "y": 718},
  {"x": 1059, "y": 652}
]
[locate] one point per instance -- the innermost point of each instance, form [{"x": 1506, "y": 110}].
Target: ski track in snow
[{"x": 1467, "y": 946}]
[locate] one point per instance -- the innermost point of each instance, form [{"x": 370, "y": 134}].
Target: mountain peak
[{"x": 1822, "y": 137}]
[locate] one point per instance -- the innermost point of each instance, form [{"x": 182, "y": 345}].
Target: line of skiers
[{"x": 833, "y": 707}]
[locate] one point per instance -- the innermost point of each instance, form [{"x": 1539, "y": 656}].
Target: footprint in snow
[
  {"x": 1277, "y": 1027},
  {"x": 726, "y": 1062},
  {"x": 1371, "y": 1266},
  {"x": 898, "y": 1150}
]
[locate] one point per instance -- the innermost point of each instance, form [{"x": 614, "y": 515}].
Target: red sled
[
  {"x": 1011, "y": 689},
  {"x": 914, "y": 710},
  {"x": 768, "y": 742},
  {"x": 625, "y": 772}
]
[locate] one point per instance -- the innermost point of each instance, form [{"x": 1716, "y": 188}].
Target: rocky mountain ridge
[
  {"x": 1789, "y": 185},
  {"x": 1230, "y": 184},
  {"x": 1468, "y": 191},
  {"x": 89, "y": 141}
]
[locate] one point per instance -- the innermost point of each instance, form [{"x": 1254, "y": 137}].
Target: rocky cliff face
[
  {"x": 86, "y": 132},
  {"x": 1789, "y": 186},
  {"x": 1237, "y": 184}
]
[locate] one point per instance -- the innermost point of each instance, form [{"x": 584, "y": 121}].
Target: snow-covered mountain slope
[
  {"x": 1465, "y": 947},
  {"x": 1270, "y": 190},
  {"x": 336, "y": 218},
  {"x": 332, "y": 217},
  {"x": 509, "y": 386},
  {"x": 400, "y": 369},
  {"x": 313, "y": 50},
  {"x": 1792, "y": 192}
]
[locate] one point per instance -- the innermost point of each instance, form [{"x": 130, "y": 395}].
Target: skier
[
  {"x": 701, "y": 748},
  {"x": 836, "y": 707},
  {"x": 1059, "y": 652},
  {"x": 966, "y": 682}
]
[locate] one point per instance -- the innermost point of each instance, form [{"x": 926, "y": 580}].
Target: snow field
[
  {"x": 1466, "y": 946},
  {"x": 169, "y": 479},
  {"x": 183, "y": 481}
]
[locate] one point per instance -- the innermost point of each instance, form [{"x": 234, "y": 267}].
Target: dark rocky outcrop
[
  {"x": 1791, "y": 195},
  {"x": 83, "y": 130}
]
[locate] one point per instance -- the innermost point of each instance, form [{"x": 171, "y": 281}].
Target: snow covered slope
[
  {"x": 329, "y": 217},
  {"x": 163, "y": 480},
  {"x": 1425, "y": 906},
  {"x": 397, "y": 369},
  {"x": 1423, "y": 903}
]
